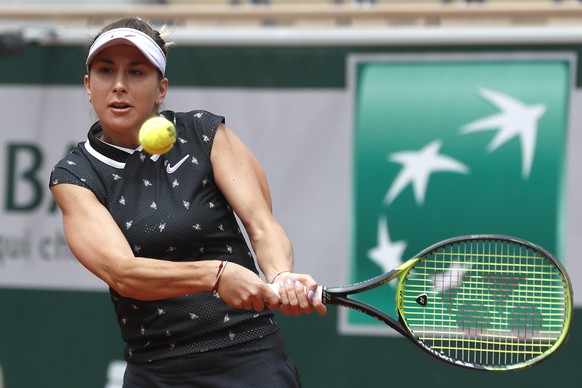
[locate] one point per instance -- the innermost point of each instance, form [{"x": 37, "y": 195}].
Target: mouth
[{"x": 119, "y": 105}]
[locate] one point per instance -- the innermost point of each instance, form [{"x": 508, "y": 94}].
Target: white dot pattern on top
[{"x": 168, "y": 207}]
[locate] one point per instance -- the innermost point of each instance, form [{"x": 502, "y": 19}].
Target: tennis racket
[{"x": 486, "y": 302}]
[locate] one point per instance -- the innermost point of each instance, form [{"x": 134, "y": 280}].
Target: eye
[{"x": 104, "y": 69}]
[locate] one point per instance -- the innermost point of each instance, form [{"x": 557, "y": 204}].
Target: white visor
[{"x": 144, "y": 43}]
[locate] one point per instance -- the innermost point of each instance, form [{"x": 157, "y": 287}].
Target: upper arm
[{"x": 91, "y": 233}]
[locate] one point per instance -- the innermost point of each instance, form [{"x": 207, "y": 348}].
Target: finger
[
  {"x": 292, "y": 296},
  {"x": 258, "y": 304},
  {"x": 319, "y": 307},
  {"x": 283, "y": 299},
  {"x": 304, "y": 303},
  {"x": 273, "y": 306}
]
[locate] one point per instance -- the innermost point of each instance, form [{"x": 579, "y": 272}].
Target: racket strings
[{"x": 491, "y": 303}]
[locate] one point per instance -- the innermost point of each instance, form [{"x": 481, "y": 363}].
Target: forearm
[
  {"x": 108, "y": 256},
  {"x": 273, "y": 249},
  {"x": 151, "y": 279},
  {"x": 275, "y": 258}
]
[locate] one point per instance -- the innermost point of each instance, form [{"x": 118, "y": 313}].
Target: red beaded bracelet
[{"x": 221, "y": 268}]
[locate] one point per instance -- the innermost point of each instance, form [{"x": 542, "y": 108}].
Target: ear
[
  {"x": 87, "y": 84},
  {"x": 162, "y": 90}
]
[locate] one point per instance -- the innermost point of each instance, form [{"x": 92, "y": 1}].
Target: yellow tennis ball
[{"x": 157, "y": 135}]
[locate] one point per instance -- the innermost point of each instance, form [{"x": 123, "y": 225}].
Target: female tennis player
[{"x": 161, "y": 231}]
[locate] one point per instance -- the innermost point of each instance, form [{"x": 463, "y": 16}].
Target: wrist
[
  {"x": 221, "y": 268},
  {"x": 278, "y": 274}
]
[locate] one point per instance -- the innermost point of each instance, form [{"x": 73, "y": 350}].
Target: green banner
[{"x": 450, "y": 146}]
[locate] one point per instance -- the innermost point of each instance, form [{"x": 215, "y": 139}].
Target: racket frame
[{"x": 339, "y": 296}]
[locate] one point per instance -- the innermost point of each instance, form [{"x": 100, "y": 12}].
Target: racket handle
[{"x": 318, "y": 292}]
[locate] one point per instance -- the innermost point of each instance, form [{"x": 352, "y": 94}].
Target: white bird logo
[
  {"x": 387, "y": 254},
  {"x": 515, "y": 119},
  {"x": 417, "y": 168}
]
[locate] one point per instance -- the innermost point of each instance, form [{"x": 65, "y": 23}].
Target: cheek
[
  {"x": 97, "y": 97},
  {"x": 96, "y": 88},
  {"x": 148, "y": 94}
]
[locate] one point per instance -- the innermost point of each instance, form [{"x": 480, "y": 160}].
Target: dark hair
[{"x": 137, "y": 24}]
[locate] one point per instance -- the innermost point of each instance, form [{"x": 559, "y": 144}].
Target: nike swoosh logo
[{"x": 171, "y": 169}]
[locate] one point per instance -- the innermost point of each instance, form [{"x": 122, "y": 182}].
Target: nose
[{"x": 120, "y": 85}]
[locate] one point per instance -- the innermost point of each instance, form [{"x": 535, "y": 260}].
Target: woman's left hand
[{"x": 298, "y": 295}]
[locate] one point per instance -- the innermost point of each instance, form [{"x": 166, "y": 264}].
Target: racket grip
[{"x": 318, "y": 293}]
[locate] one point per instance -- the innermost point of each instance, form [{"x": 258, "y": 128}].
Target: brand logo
[
  {"x": 171, "y": 169},
  {"x": 422, "y": 300}
]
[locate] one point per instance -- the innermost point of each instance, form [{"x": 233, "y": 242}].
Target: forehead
[{"x": 121, "y": 53}]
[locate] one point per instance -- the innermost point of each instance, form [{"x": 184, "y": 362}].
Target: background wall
[{"x": 293, "y": 106}]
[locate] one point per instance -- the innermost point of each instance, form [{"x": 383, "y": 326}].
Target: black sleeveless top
[{"x": 168, "y": 207}]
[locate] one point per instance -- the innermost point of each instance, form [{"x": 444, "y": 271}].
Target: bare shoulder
[{"x": 69, "y": 196}]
